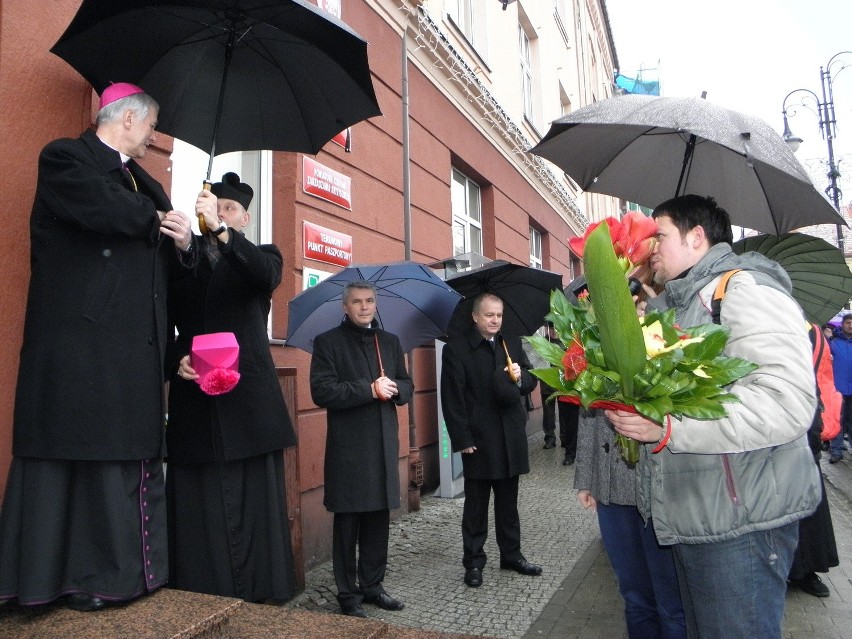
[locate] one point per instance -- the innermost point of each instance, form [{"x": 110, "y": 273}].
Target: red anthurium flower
[
  {"x": 574, "y": 361},
  {"x": 578, "y": 244},
  {"x": 636, "y": 238}
]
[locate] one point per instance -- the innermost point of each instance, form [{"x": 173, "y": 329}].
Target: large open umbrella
[
  {"x": 822, "y": 282},
  {"x": 411, "y": 302},
  {"x": 229, "y": 75},
  {"x": 525, "y": 292},
  {"x": 648, "y": 149}
]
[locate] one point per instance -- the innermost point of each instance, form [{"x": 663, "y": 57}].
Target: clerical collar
[{"x": 124, "y": 158}]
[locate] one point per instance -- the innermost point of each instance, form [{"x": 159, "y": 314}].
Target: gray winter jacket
[{"x": 751, "y": 470}]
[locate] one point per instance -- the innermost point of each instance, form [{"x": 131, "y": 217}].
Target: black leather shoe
[
  {"x": 812, "y": 584},
  {"x": 82, "y": 602},
  {"x": 568, "y": 461},
  {"x": 549, "y": 444},
  {"x": 833, "y": 459},
  {"x": 473, "y": 577},
  {"x": 356, "y": 610},
  {"x": 385, "y": 602},
  {"x": 521, "y": 566}
]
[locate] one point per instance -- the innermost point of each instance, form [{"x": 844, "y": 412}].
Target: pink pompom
[{"x": 220, "y": 381}]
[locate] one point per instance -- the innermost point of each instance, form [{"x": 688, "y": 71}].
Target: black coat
[
  {"x": 90, "y": 384},
  {"x": 482, "y": 406},
  {"x": 234, "y": 296},
  {"x": 362, "y": 443}
]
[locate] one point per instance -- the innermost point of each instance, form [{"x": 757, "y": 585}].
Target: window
[
  {"x": 526, "y": 73},
  {"x": 189, "y": 167},
  {"x": 469, "y": 16},
  {"x": 466, "y": 202},
  {"x": 535, "y": 249}
]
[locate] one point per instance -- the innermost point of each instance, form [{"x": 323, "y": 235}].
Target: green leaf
[
  {"x": 550, "y": 376},
  {"x": 621, "y": 335},
  {"x": 550, "y": 352}
]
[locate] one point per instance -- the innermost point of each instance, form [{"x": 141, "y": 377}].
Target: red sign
[
  {"x": 325, "y": 245},
  {"x": 344, "y": 139},
  {"x": 326, "y": 184}
]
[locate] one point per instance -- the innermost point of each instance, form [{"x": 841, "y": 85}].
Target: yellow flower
[{"x": 655, "y": 345}]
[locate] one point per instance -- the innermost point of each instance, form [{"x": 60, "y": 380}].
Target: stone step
[{"x": 176, "y": 614}]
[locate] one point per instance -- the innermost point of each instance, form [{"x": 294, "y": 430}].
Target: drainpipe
[{"x": 415, "y": 464}]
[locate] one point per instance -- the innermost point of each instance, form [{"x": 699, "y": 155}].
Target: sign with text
[
  {"x": 325, "y": 245},
  {"x": 326, "y": 184}
]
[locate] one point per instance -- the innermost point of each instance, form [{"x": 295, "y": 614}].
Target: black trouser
[
  {"x": 507, "y": 523},
  {"x": 569, "y": 416},
  {"x": 368, "y": 533}
]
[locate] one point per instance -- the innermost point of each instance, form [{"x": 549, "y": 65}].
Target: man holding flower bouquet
[{"x": 727, "y": 492}]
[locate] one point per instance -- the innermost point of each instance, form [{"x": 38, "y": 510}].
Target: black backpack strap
[{"x": 719, "y": 293}]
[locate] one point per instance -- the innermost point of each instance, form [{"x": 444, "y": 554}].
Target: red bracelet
[{"x": 665, "y": 440}]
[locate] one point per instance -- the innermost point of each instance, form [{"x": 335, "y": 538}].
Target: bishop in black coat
[{"x": 88, "y": 421}]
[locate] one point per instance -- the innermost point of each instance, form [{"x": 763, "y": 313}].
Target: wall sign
[
  {"x": 325, "y": 245},
  {"x": 326, "y": 184}
]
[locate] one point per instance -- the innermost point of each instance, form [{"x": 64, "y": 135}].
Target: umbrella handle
[
  {"x": 509, "y": 364},
  {"x": 202, "y": 225}
]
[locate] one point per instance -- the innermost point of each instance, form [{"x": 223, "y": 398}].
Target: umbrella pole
[
  {"x": 687, "y": 163},
  {"x": 229, "y": 49},
  {"x": 687, "y": 158}
]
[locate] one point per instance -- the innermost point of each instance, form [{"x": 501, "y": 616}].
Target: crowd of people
[{"x": 703, "y": 534}]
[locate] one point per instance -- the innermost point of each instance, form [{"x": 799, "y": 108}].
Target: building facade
[{"x": 465, "y": 88}]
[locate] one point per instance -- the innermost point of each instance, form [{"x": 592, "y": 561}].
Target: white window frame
[
  {"x": 462, "y": 216},
  {"x": 525, "y": 48},
  {"x": 536, "y": 259}
]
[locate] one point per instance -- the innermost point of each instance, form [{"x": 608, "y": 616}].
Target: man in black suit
[
  {"x": 88, "y": 423},
  {"x": 358, "y": 374},
  {"x": 486, "y": 420}
]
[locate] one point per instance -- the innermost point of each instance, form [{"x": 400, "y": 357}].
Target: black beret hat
[{"x": 231, "y": 188}]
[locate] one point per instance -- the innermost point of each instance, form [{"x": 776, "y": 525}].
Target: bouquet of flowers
[{"x": 609, "y": 357}]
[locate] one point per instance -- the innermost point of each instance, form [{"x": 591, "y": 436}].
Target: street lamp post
[{"x": 827, "y": 126}]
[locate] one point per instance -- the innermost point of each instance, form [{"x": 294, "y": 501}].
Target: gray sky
[{"x": 748, "y": 55}]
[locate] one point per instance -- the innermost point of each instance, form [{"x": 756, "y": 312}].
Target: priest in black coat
[
  {"x": 228, "y": 528},
  {"x": 486, "y": 421},
  {"x": 358, "y": 374},
  {"x": 88, "y": 420}
]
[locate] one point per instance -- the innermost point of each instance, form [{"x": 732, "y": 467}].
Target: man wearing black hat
[{"x": 229, "y": 533}]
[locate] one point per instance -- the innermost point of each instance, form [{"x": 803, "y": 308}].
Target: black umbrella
[
  {"x": 525, "y": 293},
  {"x": 648, "y": 149},
  {"x": 280, "y": 75},
  {"x": 411, "y": 302},
  {"x": 822, "y": 281}
]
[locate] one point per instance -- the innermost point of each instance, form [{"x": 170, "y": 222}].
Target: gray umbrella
[{"x": 648, "y": 149}]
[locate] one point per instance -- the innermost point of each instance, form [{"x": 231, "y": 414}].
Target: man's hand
[
  {"x": 384, "y": 388},
  {"x": 206, "y": 206},
  {"x": 178, "y": 227},
  {"x": 635, "y": 426},
  {"x": 185, "y": 369}
]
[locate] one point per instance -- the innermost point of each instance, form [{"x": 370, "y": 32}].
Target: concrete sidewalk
[{"x": 577, "y": 595}]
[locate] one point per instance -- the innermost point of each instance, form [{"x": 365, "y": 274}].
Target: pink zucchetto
[{"x": 118, "y": 90}]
